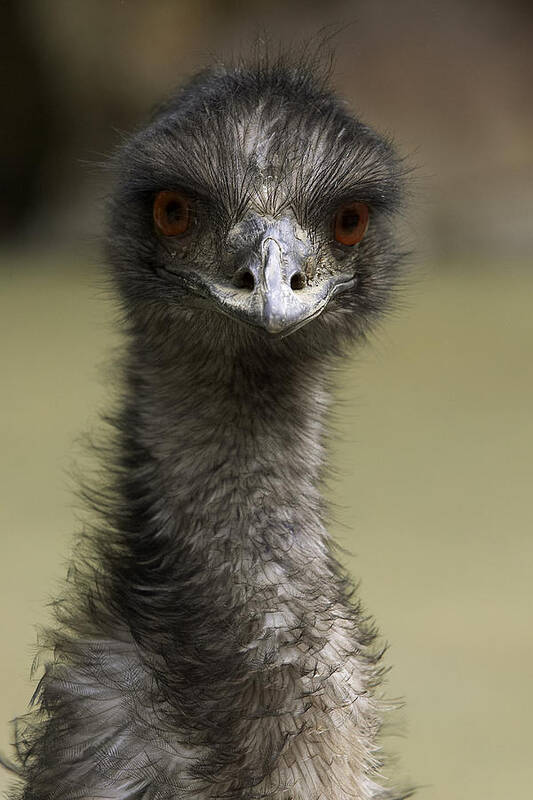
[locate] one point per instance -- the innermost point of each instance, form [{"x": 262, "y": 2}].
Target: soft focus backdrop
[{"x": 432, "y": 492}]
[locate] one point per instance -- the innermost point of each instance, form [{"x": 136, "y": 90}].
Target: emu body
[{"x": 210, "y": 646}]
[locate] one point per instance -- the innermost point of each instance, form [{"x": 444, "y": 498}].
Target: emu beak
[
  {"x": 274, "y": 293},
  {"x": 275, "y": 288}
]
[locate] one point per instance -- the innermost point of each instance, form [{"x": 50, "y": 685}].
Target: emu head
[{"x": 254, "y": 206}]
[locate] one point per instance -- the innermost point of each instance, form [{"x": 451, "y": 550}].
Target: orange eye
[
  {"x": 351, "y": 222},
  {"x": 171, "y": 213}
]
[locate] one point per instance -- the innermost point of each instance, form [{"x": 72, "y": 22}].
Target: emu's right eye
[
  {"x": 351, "y": 222},
  {"x": 171, "y": 213}
]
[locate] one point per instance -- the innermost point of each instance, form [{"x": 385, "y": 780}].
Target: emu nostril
[
  {"x": 298, "y": 281},
  {"x": 245, "y": 280}
]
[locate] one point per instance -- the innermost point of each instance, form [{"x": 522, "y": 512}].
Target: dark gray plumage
[{"x": 210, "y": 646}]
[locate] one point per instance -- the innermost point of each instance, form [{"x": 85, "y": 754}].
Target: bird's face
[
  {"x": 269, "y": 272},
  {"x": 268, "y": 205}
]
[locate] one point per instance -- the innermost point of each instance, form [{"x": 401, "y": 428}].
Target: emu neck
[
  {"x": 221, "y": 491},
  {"x": 221, "y": 497},
  {"x": 225, "y": 578},
  {"x": 236, "y": 439}
]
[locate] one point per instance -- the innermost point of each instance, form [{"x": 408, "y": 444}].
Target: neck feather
[
  {"x": 224, "y": 453},
  {"x": 236, "y": 443},
  {"x": 221, "y": 572}
]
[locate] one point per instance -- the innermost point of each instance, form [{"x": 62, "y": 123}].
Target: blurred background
[{"x": 432, "y": 493}]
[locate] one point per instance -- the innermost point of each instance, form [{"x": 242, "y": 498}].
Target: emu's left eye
[
  {"x": 171, "y": 213},
  {"x": 351, "y": 222}
]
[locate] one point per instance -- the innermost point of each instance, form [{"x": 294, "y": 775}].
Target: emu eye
[
  {"x": 171, "y": 213},
  {"x": 351, "y": 222}
]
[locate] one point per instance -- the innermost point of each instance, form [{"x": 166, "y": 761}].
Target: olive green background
[
  {"x": 433, "y": 433},
  {"x": 431, "y": 491}
]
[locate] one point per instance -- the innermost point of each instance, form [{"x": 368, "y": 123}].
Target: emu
[{"x": 209, "y": 645}]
